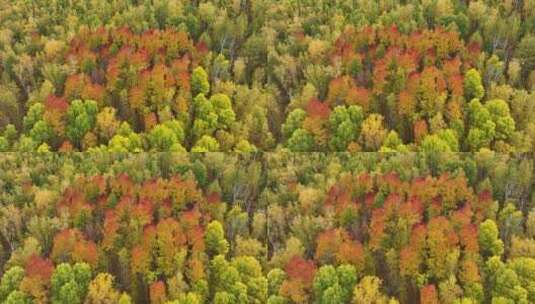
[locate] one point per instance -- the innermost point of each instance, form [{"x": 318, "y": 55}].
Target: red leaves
[
  {"x": 351, "y": 252},
  {"x": 55, "y": 103},
  {"x": 420, "y": 130},
  {"x": 338, "y": 90},
  {"x": 359, "y": 96},
  {"x": 318, "y": 109},
  {"x": 157, "y": 292},
  {"x": 377, "y": 228},
  {"x": 70, "y": 245},
  {"x": 140, "y": 260},
  {"x": 468, "y": 238},
  {"x": 429, "y": 295},
  {"x": 441, "y": 235},
  {"x": 300, "y": 269},
  {"x": 38, "y": 267},
  {"x": 85, "y": 251},
  {"x": 409, "y": 261},
  {"x": 116, "y": 53}
]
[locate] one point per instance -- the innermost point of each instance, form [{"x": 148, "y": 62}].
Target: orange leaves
[
  {"x": 300, "y": 269},
  {"x": 74, "y": 85},
  {"x": 377, "y": 228},
  {"x": 195, "y": 269},
  {"x": 139, "y": 224},
  {"x": 336, "y": 247},
  {"x": 317, "y": 109},
  {"x": 39, "y": 268},
  {"x": 54, "y": 103},
  {"x": 85, "y": 251},
  {"x": 170, "y": 234},
  {"x": 300, "y": 277},
  {"x": 441, "y": 233},
  {"x": 351, "y": 252},
  {"x": 140, "y": 260},
  {"x": 296, "y": 291},
  {"x": 75, "y": 202},
  {"x": 158, "y": 293},
  {"x": 420, "y": 130},
  {"x": 70, "y": 245},
  {"x": 338, "y": 90},
  {"x": 409, "y": 261},
  {"x": 469, "y": 272},
  {"x": 359, "y": 96},
  {"x": 147, "y": 66},
  {"x": 429, "y": 295},
  {"x": 421, "y": 73},
  {"x": 406, "y": 103},
  {"x": 411, "y": 256},
  {"x": 468, "y": 238}
]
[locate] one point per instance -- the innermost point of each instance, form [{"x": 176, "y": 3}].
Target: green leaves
[
  {"x": 488, "y": 123},
  {"x": 199, "y": 82},
  {"x": 70, "y": 283},
  {"x": 345, "y": 123},
  {"x": 489, "y": 240},
  {"x": 334, "y": 285},
  {"x": 10, "y": 282},
  {"x": 473, "y": 86},
  {"x": 81, "y": 118},
  {"x": 301, "y": 141},
  {"x": 168, "y": 136},
  {"x": 216, "y": 244}
]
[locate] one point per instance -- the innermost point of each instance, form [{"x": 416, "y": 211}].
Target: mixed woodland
[
  {"x": 151, "y": 151},
  {"x": 267, "y": 228},
  {"x": 264, "y": 75}
]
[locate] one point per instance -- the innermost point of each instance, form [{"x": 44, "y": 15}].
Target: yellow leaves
[
  {"x": 102, "y": 291},
  {"x": 44, "y": 199},
  {"x": 317, "y": 50},
  {"x": 309, "y": 198},
  {"x": 317, "y": 128},
  {"x": 53, "y": 48},
  {"x": 373, "y": 132}
]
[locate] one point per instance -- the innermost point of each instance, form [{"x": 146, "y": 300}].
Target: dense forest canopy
[
  {"x": 267, "y": 228},
  {"x": 151, "y": 151},
  {"x": 172, "y": 75}
]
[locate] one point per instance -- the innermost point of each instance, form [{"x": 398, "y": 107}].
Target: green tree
[
  {"x": 489, "y": 241},
  {"x": 69, "y": 284},
  {"x": 18, "y": 297},
  {"x": 344, "y": 123},
  {"x": 223, "y": 108},
  {"x": 10, "y": 281},
  {"x": 482, "y": 127},
  {"x": 293, "y": 122},
  {"x": 526, "y": 53},
  {"x": 168, "y": 136},
  {"x": 275, "y": 277},
  {"x": 34, "y": 114},
  {"x": 301, "y": 141},
  {"x": 334, "y": 285},
  {"x": 206, "y": 144},
  {"x": 501, "y": 116},
  {"x": 199, "y": 82},
  {"x": 42, "y": 132},
  {"x": 81, "y": 118},
  {"x": 473, "y": 86},
  {"x": 216, "y": 244}
]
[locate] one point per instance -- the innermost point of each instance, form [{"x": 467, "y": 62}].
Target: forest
[
  {"x": 265, "y": 75},
  {"x": 267, "y": 151},
  {"x": 275, "y": 228}
]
